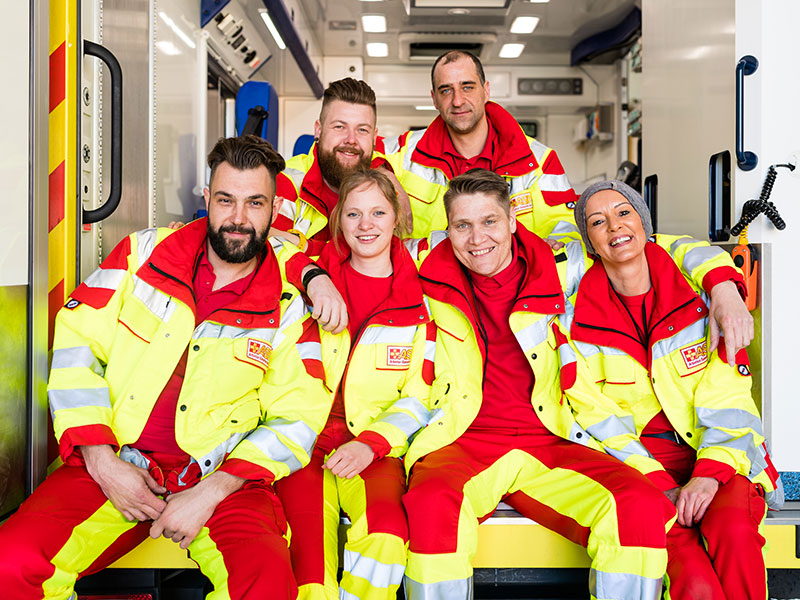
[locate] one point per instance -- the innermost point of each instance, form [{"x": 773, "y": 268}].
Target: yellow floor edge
[{"x": 500, "y": 545}]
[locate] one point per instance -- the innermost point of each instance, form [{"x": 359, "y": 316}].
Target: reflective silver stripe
[
  {"x": 295, "y": 175},
  {"x": 301, "y": 221},
  {"x": 310, "y": 350},
  {"x": 430, "y": 350},
  {"x": 156, "y": 301},
  {"x": 612, "y": 427},
  {"x": 213, "y": 459},
  {"x": 723, "y": 439},
  {"x": 391, "y": 144},
  {"x": 540, "y": 151},
  {"x": 730, "y": 418},
  {"x": 566, "y": 354},
  {"x": 134, "y": 457},
  {"x": 296, "y": 310},
  {"x": 209, "y": 329},
  {"x": 623, "y": 586},
  {"x": 76, "y": 357},
  {"x": 268, "y": 442},
  {"x": 632, "y": 448},
  {"x": 585, "y": 349},
  {"x": 408, "y": 425},
  {"x": 380, "y": 334},
  {"x": 673, "y": 247},
  {"x": 437, "y": 237},
  {"x": 106, "y": 278},
  {"x": 297, "y": 431},
  {"x": 412, "y": 245},
  {"x": 575, "y": 267},
  {"x": 145, "y": 242},
  {"x": 415, "y": 407},
  {"x": 289, "y": 209},
  {"x": 532, "y": 335},
  {"x": 379, "y": 575},
  {"x": 554, "y": 183},
  {"x": 697, "y": 256},
  {"x": 609, "y": 351},
  {"x": 696, "y": 332},
  {"x": 574, "y": 431},
  {"x": 775, "y": 498},
  {"x": 456, "y": 589},
  {"x": 564, "y": 227},
  {"x": 79, "y": 398},
  {"x": 437, "y": 414},
  {"x": 521, "y": 184}
]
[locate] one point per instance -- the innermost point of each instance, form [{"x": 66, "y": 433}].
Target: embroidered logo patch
[
  {"x": 259, "y": 351},
  {"x": 398, "y": 356},
  {"x": 72, "y": 304},
  {"x": 521, "y": 202},
  {"x": 695, "y": 355},
  {"x": 743, "y": 370}
]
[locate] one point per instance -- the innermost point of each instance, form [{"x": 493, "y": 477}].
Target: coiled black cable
[{"x": 753, "y": 208}]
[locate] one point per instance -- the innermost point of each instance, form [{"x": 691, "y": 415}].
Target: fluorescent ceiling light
[
  {"x": 168, "y": 48},
  {"x": 377, "y": 49},
  {"x": 538, "y": 1},
  {"x": 372, "y": 0},
  {"x": 272, "y": 29},
  {"x": 176, "y": 30},
  {"x": 524, "y": 24},
  {"x": 511, "y": 50},
  {"x": 373, "y": 23},
  {"x": 425, "y": 107}
]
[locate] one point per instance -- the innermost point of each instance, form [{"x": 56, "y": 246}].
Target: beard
[
  {"x": 335, "y": 172},
  {"x": 237, "y": 252}
]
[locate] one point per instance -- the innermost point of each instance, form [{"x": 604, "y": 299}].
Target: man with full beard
[
  {"x": 186, "y": 379},
  {"x": 345, "y": 142}
]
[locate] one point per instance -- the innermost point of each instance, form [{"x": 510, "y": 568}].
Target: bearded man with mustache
[{"x": 346, "y": 141}]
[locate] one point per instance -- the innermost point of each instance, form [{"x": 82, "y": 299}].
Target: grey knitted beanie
[{"x": 623, "y": 188}]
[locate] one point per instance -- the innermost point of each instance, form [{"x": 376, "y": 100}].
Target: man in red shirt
[
  {"x": 499, "y": 427},
  {"x": 472, "y": 132},
  {"x": 186, "y": 379}
]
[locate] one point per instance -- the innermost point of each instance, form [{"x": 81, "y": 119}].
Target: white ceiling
[{"x": 563, "y": 24}]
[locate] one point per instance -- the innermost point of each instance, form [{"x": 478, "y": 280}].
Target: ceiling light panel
[
  {"x": 272, "y": 29},
  {"x": 524, "y": 24},
  {"x": 511, "y": 50},
  {"x": 377, "y": 49},
  {"x": 373, "y": 23}
]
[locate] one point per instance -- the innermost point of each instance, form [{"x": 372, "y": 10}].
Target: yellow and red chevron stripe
[{"x": 62, "y": 223}]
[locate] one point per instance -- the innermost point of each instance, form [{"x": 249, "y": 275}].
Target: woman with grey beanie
[{"x": 657, "y": 395}]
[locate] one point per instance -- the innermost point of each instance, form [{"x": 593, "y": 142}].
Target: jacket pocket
[
  {"x": 243, "y": 414},
  {"x": 138, "y": 319},
  {"x": 619, "y": 370},
  {"x": 690, "y": 359}
]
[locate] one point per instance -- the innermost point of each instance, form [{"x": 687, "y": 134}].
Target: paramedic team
[{"x": 186, "y": 453}]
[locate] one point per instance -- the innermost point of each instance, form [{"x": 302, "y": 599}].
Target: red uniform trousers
[
  {"x": 722, "y": 556},
  {"x": 68, "y": 528},
  {"x": 376, "y": 541},
  {"x": 582, "y": 494}
]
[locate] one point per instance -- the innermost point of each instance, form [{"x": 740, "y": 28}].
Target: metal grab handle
[
  {"x": 747, "y": 65},
  {"x": 106, "y": 209}
]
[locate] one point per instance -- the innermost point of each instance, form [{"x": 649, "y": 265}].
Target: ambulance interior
[{"x": 659, "y": 94}]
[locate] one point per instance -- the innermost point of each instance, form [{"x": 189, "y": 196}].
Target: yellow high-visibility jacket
[
  {"x": 253, "y": 398},
  {"x": 548, "y": 292},
  {"x": 540, "y": 191},
  {"x": 457, "y": 391},
  {"x": 622, "y": 381},
  {"x": 386, "y": 368}
]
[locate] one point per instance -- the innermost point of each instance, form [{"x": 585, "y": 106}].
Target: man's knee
[{"x": 642, "y": 512}]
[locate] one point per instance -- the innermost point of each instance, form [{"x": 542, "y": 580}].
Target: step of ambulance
[{"x": 509, "y": 540}]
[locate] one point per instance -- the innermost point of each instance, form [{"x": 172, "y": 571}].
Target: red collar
[
  {"x": 173, "y": 264},
  {"x": 404, "y": 306},
  {"x": 601, "y": 319},
  {"x": 511, "y": 155},
  {"x": 487, "y": 152},
  {"x": 317, "y": 193},
  {"x": 445, "y": 279}
]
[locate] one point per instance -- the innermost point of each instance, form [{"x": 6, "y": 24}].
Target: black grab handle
[
  {"x": 747, "y": 65},
  {"x": 110, "y": 205}
]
